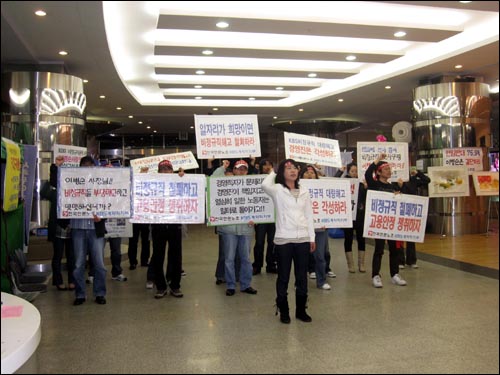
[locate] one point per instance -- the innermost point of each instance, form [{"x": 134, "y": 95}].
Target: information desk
[{"x": 21, "y": 332}]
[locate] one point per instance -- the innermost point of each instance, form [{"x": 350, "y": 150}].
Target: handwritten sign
[
  {"x": 238, "y": 200},
  {"x": 12, "y": 180},
  {"x": 168, "y": 198},
  {"x": 394, "y": 217},
  {"x": 71, "y": 154},
  {"x": 470, "y": 157},
  {"x": 397, "y": 157},
  {"x": 184, "y": 160},
  {"x": 227, "y": 136},
  {"x": 331, "y": 201},
  {"x": 83, "y": 192},
  {"x": 312, "y": 150},
  {"x": 485, "y": 183}
]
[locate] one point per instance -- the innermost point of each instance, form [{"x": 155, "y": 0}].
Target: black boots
[
  {"x": 300, "y": 312},
  {"x": 282, "y": 307}
]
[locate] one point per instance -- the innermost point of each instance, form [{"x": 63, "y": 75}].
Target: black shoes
[
  {"x": 271, "y": 270},
  {"x": 132, "y": 267},
  {"x": 256, "y": 271},
  {"x": 100, "y": 300},
  {"x": 249, "y": 290},
  {"x": 219, "y": 281},
  {"x": 230, "y": 292},
  {"x": 78, "y": 301}
]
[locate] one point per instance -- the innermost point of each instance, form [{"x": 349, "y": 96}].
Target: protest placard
[
  {"x": 184, "y": 160},
  {"x": 312, "y": 150},
  {"x": 397, "y": 157}
]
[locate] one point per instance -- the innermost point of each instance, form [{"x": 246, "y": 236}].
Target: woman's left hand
[{"x": 313, "y": 247}]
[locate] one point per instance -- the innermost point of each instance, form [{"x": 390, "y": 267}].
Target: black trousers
[
  {"x": 379, "y": 252},
  {"x": 411, "y": 254},
  {"x": 299, "y": 253},
  {"x": 261, "y": 230},
  {"x": 349, "y": 236},
  {"x": 163, "y": 234},
  {"x": 141, "y": 230}
]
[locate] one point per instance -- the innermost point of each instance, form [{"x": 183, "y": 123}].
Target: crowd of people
[{"x": 291, "y": 239}]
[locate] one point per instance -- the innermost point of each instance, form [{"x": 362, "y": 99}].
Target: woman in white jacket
[{"x": 294, "y": 237}]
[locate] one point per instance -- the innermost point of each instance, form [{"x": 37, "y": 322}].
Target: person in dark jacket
[
  {"x": 377, "y": 177},
  {"x": 358, "y": 224},
  {"x": 411, "y": 187}
]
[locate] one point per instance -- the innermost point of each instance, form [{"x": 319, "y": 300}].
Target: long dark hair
[
  {"x": 280, "y": 175},
  {"x": 303, "y": 171}
]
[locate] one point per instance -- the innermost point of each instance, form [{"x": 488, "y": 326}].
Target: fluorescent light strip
[
  {"x": 238, "y": 80},
  {"x": 253, "y": 64},
  {"x": 226, "y": 92},
  {"x": 282, "y": 42},
  {"x": 352, "y": 12}
]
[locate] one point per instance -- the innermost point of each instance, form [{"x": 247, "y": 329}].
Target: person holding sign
[
  {"x": 88, "y": 236},
  {"x": 309, "y": 172},
  {"x": 294, "y": 238},
  {"x": 171, "y": 233},
  {"x": 377, "y": 177},
  {"x": 411, "y": 187},
  {"x": 236, "y": 239}
]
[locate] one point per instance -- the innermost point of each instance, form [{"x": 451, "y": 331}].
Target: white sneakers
[
  {"x": 401, "y": 266},
  {"x": 331, "y": 274},
  {"x": 120, "y": 277},
  {"x": 377, "y": 281},
  {"x": 149, "y": 285},
  {"x": 312, "y": 275},
  {"x": 325, "y": 286},
  {"x": 414, "y": 266},
  {"x": 396, "y": 279}
]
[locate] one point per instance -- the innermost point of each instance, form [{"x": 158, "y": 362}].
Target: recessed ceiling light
[
  {"x": 399, "y": 34},
  {"x": 207, "y": 52},
  {"x": 275, "y": 117},
  {"x": 118, "y": 108},
  {"x": 191, "y": 127},
  {"x": 154, "y": 131},
  {"x": 40, "y": 13},
  {"x": 139, "y": 122},
  {"x": 215, "y": 109},
  {"x": 102, "y": 96},
  {"x": 63, "y": 53},
  {"x": 222, "y": 25},
  {"x": 312, "y": 75},
  {"x": 198, "y": 97},
  {"x": 130, "y": 116},
  {"x": 200, "y": 72},
  {"x": 85, "y": 81},
  {"x": 388, "y": 87},
  {"x": 148, "y": 127},
  {"x": 458, "y": 66},
  {"x": 341, "y": 100},
  {"x": 351, "y": 58},
  {"x": 301, "y": 109},
  {"x": 198, "y": 86},
  {"x": 279, "y": 88},
  {"x": 251, "y": 98}
]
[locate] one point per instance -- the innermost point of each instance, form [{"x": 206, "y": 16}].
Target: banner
[
  {"x": 238, "y": 200},
  {"x": 184, "y": 160},
  {"x": 470, "y": 157},
  {"x": 168, "y": 198},
  {"x": 30, "y": 153},
  {"x": 331, "y": 201},
  {"x": 485, "y": 183},
  {"x": 118, "y": 228},
  {"x": 230, "y": 136},
  {"x": 394, "y": 217},
  {"x": 87, "y": 191},
  {"x": 448, "y": 182},
  {"x": 312, "y": 150},
  {"x": 12, "y": 180},
  {"x": 71, "y": 154},
  {"x": 397, "y": 157}
]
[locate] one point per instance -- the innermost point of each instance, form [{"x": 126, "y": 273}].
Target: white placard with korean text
[
  {"x": 397, "y": 217},
  {"x": 238, "y": 200},
  {"x": 485, "y": 183},
  {"x": 469, "y": 157},
  {"x": 168, "y": 198},
  {"x": 331, "y": 202},
  {"x": 184, "y": 160},
  {"x": 397, "y": 157},
  {"x": 71, "y": 154},
  {"x": 229, "y": 136},
  {"x": 118, "y": 228},
  {"x": 448, "y": 182},
  {"x": 87, "y": 191},
  {"x": 312, "y": 150}
]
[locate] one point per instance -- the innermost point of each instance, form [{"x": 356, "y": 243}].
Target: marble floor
[{"x": 445, "y": 321}]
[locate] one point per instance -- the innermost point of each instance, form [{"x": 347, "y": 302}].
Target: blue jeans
[
  {"x": 221, "y": 263},
  {"x": 240, "y": 244},
  {"x": 84, "y": 241}
]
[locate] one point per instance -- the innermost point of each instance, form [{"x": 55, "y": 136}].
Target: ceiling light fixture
[
  {"x": 200, "y": 72},
  {"x": 399, "y": 34},
  {"x": 301, "y": 109},
  {"x": 279, "y": 88},
  {"x": 351, "y": 58},
  {"x": 340, "y": 100},
  {"x": 207, "y": 52},
  {"x": 222, "y": 25},
  {"x": 215, "y": 109},
  {"x": 198, "y": 86},
  {"x": 312, "y": 75},
  {"x": 388, "y": 87},
  {"x": 63, "y": 53},
  {"x": 102, "y": 96},
  {"x": 40, "y": 13},
  {"x": 458, "y": 66},
  {"x": 85, "y": 81},
  {"x": 118, "y": 108}
]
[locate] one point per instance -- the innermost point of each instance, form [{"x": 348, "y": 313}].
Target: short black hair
[{"x": 86, "y": 160}]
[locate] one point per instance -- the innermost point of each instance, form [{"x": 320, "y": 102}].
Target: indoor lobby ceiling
[{"x": 306, "y": 61}]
